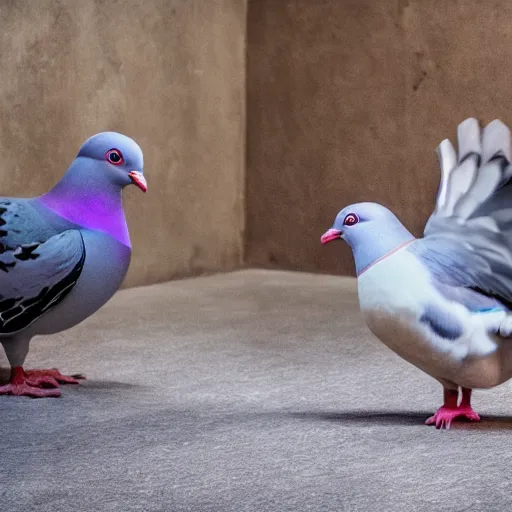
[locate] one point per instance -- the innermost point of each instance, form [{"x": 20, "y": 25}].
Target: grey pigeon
[
  {"x": 443, "y": 302},
  {"x": 64, "y": 254}
]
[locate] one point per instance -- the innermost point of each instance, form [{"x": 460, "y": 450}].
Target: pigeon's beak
[
  {"x": 329, "y": 235},
  {"x": 139, "y": 180}
]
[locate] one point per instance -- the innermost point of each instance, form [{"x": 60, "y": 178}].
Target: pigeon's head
[
  {"x": 115, "y": 157},
  {"x": 358, "y": 222},
  {"x": 370, "y": 229}
]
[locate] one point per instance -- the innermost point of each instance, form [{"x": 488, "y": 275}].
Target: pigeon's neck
[
  {"x": 90, "y": 202},
  {"x": 377, "y": 247}
]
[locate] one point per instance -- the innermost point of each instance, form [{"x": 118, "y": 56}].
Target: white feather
[
  {"x": 460, "y": 181},
  {"x": 447, "y": 161},
  {"x": 495, "y": 139},
  {"x": 486, "y": 182},
  {"x": 468, "y": 136},
  {"x": 393, "y": 295}
]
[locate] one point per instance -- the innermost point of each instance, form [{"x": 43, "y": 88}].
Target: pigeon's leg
[
  {"x": 20, "y": 385},
  {"x": 446, "y": 413},
  {"x": 16, "y": 350},
  {"x": 451, "y": 410},
  {"x": 465, "y": 406},
  {"x": 34, "y": 383}
]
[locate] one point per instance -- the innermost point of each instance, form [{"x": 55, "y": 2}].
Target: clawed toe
[
  {"x": 25, "y": 389},
  {"x": 444, "y": 417},
  {"x": 53, "y": 376},
  {"x": 37, "y": 383},
  {"x": 42, "y": 381}
]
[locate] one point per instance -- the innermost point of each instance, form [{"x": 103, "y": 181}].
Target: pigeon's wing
[
  {"x": 459, "y": 275},
  {"x": 471, "y": 298},
  {"x": 468, "y": 238},
  {"x": 35, "y": 277},
  {"x": 22, "y": 223},
  {"x": 442, "y": 323}
]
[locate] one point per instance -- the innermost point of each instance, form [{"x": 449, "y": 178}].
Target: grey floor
[{"x": 251, "y": 391}]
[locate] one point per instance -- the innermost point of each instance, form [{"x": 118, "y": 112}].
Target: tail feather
[
  {"x": 483, "y": 166},
  {"x": 469, "y": 138},
  {"x": 473, "y": 216},
  {"x": 496, "y": 141},
  {"x": 458, "y": 174},
  {"x": 447, "y": 161},
  {"x": 488, "y": 179}
]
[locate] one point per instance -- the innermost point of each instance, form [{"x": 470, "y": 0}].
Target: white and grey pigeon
[
  {"x": 64, "y": 254},
  {"x": 444, "y": 302}
]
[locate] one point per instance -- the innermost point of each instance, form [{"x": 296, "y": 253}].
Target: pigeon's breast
[
  {"x": 397, "y": 285},
  {"x": 392, "y": 296},
  {"x": 106, "y": 263},
  {"x": 485, "y": 371}
]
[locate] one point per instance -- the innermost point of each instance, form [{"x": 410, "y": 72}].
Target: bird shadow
[
  {"x": 392, "y": 418},
  {"x": 102, "y": 385},
  {"x": 105, "y": 386}
]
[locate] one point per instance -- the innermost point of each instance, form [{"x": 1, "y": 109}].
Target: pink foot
[
  {"x": 37, "y": 383},
  {"x": 52, "y": 377},
  {"x": 21, "y": 385},
  {"x": 445, "y": 415}
]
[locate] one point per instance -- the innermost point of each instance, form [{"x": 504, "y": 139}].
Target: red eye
[
  {"x": 351, "y": 219},
  {"x": 114, "y": 156}
]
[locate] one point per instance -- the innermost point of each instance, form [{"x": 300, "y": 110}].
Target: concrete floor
[{"x": 251, "y": 391}]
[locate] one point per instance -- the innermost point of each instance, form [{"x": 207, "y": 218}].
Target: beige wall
[
  {"x": 347, "y": 100},
  {"x": 170, "y": 74}
]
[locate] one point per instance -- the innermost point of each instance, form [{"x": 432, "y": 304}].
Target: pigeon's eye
[
  {"x": 114, "y": 156},
  {"x": 351, "y": 219}
]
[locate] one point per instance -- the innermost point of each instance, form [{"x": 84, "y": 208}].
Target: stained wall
[
  {"x": 347, "y": 101},
  {"x": 341, "y": 101},
  {"x": 170, "y": 74}
]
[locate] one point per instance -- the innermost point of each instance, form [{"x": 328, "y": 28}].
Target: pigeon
[
  {"x": 64, "y": 254},
  {"x": 443, "y": 302}
]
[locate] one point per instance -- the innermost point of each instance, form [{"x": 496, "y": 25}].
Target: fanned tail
[
  {"x": 482, "y": 167},
  {"x": 472, "y": 220}
]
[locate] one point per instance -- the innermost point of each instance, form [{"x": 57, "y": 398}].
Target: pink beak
[
  {"x": 330, "y": 234},
  {"x": 139, "y": 180}
]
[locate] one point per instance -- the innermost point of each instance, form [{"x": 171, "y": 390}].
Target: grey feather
[
  {"x": 496, "y": 141},
  {"x": 447, "y": 161},
  {"x": 472, "y": 300},
  {"x": 36, "y": 277},
  {"x": 448, "y": 262},
  {"x": 468, "y": 135},
  {"x": 461, "y": 179},
  {"x": 442, "y": 323},
  {"x": 22, "y": 223},
  {"x": 488, "y": 177},
  {"x": 471, "y": 246},
  {"x": 458, "y": 178}
]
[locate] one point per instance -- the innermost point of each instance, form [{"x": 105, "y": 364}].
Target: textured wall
[
  {"x": 347, "y": 100},
  {"x": 168, "y": 73}
]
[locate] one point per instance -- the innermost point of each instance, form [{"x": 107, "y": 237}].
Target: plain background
[
  {"x": 347, "y": 101},
  {"x": 170, "y": 74},
  {"x": 248, "y": 391},
  {"x": 259, "y": 120}
]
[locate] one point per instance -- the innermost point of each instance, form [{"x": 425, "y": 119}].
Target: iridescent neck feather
[{"x": 89, "y": 202}]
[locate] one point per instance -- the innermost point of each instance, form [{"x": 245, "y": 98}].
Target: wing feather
[{"x": 468, "y": 239}]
